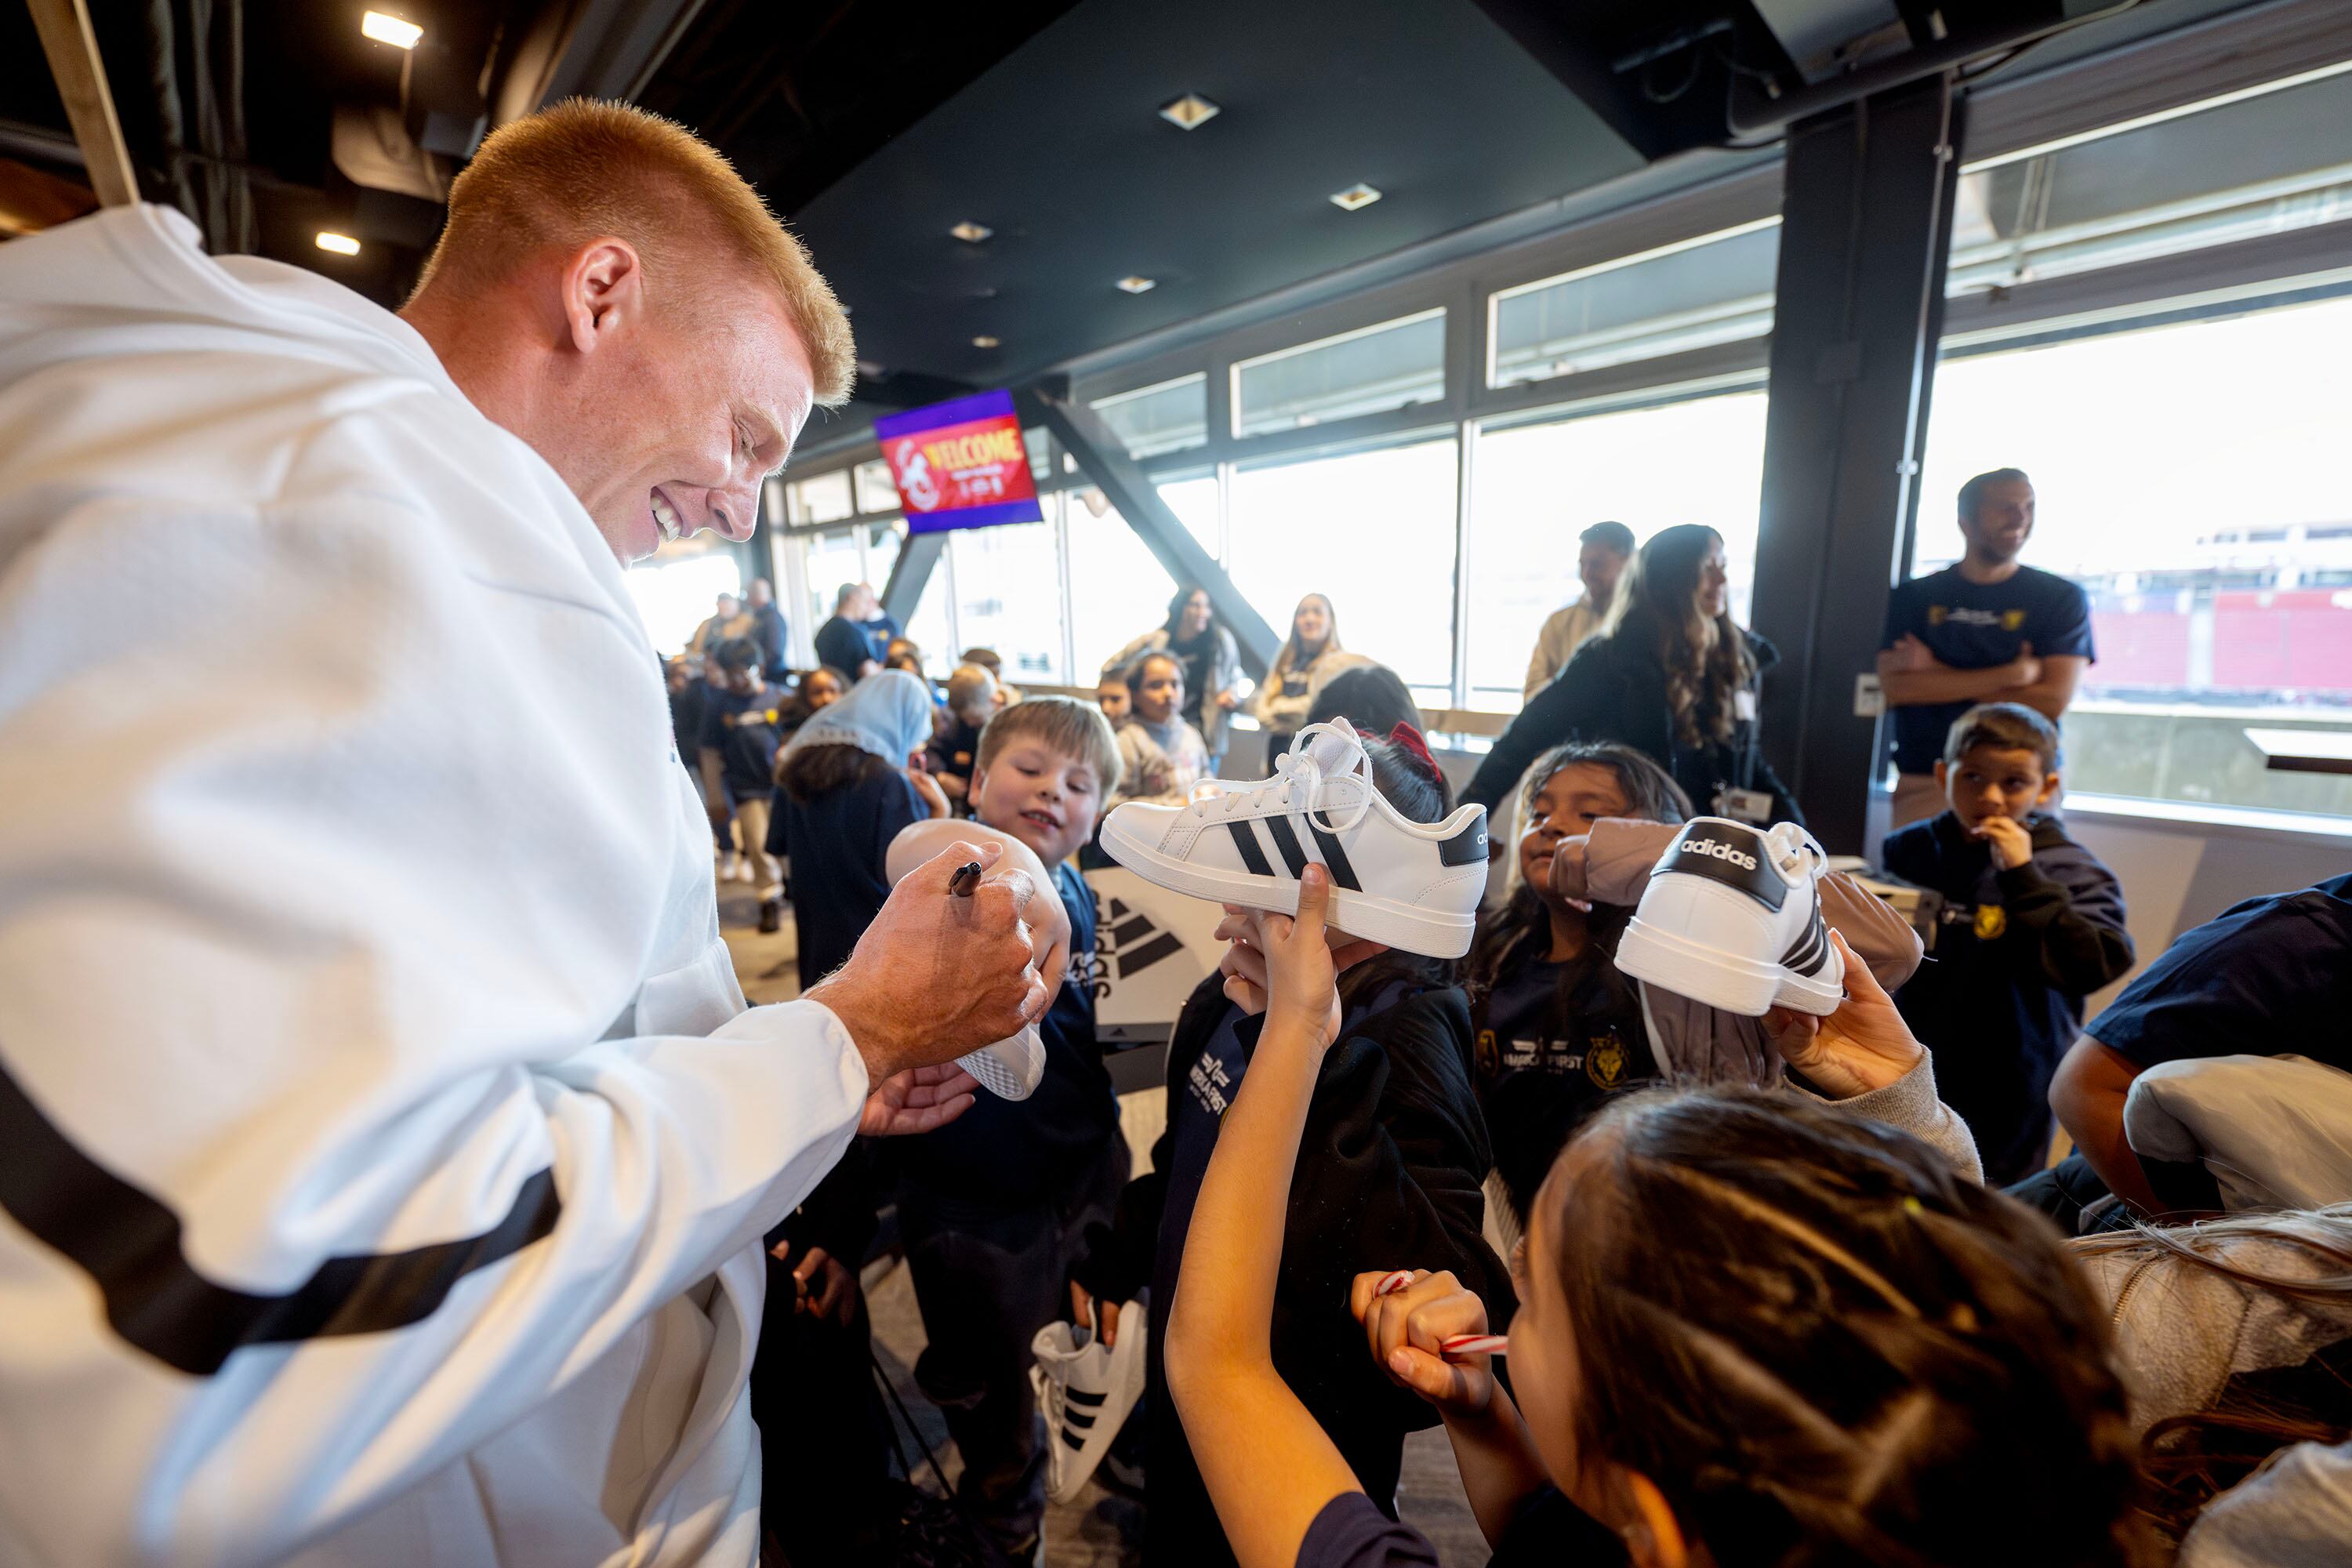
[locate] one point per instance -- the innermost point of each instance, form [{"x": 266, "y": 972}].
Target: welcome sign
[{"x": 960, "y": 464}]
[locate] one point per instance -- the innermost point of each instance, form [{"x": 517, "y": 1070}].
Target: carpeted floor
[{"x": 1103, "y": 1528}]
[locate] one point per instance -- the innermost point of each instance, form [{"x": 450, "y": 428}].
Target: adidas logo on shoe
[
  {"x": 1409, "y": 885},
  {"x": 1732, "y": 918},
  {"x": 1085, "y": 1390}
]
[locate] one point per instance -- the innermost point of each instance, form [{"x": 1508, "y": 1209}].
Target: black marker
[{"x": 966, "y": 878}]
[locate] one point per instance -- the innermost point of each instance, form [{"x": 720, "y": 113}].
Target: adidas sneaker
[
  {"x": 1085, "y": 1390},
  {"x": 1732, "y": 917},
  {"x": 1406, "y": 884}
]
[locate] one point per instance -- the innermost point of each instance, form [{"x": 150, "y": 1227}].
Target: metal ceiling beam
[
  {"x": 1103, "y": 458},
  {"x": 72, "y": 49}
]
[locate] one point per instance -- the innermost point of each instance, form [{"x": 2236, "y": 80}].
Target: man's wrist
[{"x": 873, "y": 1043}]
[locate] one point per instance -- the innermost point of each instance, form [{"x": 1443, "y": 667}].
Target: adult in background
[
  {"x": 408, "y": 1208},
  {"x": 1602, "y": 551},
  {"x": 1672, "y": 674},
  {"x": 1310, "y": 656},
  {"x": 767, "y": 631},
  {"x": 859, "y": 633},
  {"x": 1987, "y": 628},
  {"x": 727, "y": 609},
  {"x": 1211, "y": 661}
]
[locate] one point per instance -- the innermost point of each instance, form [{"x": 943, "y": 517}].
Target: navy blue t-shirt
[
  {"x": 1554, "y": 1041},
  {"x": 742, "y": 730},
  {"x": 1000, "y": 1156},
  {"x": 2270, "y": 975},
  {"x": 1352, "y": 1532},
  {"x": 1976, "y": 626},
  {"x": 839, "y": 844}
]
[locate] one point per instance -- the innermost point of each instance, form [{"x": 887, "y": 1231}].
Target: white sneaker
[
  {"x": 1011, "y": 1069},
  {"x": 1732, "y": 918},
  {"x": 1406, "y": 884},
  {"x": 730, "y": 868},
  {"x": 1084, "y": 1391}
]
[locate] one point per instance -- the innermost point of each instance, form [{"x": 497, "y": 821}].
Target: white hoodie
[{"x": 384, "y": 1146}]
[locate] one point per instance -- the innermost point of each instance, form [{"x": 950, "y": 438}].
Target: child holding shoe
[
  {"x": 2033, "y": 924},
  {"x": 1394, "y": 1148},
  {"x": 1752, "y": 1328},
  {"x": 994, "y": 1204}
]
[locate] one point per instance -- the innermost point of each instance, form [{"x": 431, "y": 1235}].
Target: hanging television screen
[{"x": 960, "y": 464}]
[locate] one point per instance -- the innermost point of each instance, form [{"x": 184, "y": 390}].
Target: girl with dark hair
[
  {"x": 1754, "y": 1331},
  {"x": 1211, "y": 661},
  {"x": 1558, "y": 1028},
  {"x": 1310, "y": 656},
  {"x": 1371, "y": 696},
  {"x": 1394, "y": 1148},
  {"x": 1672, "y": 675}
]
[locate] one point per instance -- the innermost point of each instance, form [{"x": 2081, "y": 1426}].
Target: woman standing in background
[{"x": 1309, "y": 656}]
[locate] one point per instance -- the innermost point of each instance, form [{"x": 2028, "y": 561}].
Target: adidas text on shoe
[
  {"x": 1409, "y": 885},
  {"x": 1732, "y": 917}
]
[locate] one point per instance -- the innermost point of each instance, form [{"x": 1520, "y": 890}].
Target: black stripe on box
[{"x": 129, "y": 1243}]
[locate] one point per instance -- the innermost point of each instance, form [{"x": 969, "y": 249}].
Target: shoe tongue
[{"x": 1334, "y": 751}]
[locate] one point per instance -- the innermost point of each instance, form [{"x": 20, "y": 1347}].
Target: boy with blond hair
[{"x": 993, "y": 1206}]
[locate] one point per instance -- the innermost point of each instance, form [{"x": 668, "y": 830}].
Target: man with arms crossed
[
  {"x": 384, "y": 1143},
  {"x": 1987, "y": 628}
]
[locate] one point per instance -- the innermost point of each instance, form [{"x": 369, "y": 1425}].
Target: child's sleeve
[{"x": 2072, "y": 907}]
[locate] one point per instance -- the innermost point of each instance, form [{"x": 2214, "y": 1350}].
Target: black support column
[{"x": 1865, "y": 229}]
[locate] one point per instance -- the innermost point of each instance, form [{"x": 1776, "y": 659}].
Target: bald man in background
[{"x": 384, "y": 1141}]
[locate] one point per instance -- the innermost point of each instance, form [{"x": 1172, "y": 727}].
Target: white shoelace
[{"x": 1295, "y": 768}]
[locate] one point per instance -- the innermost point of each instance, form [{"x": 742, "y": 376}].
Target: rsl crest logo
[
  {"x": 1991, "y": 921},
  {"x": 1605, "y": 1059},
  {"x": 2011, "y": 620}
]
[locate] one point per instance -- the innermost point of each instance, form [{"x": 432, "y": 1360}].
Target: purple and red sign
[{"x": 960, "y": 464}]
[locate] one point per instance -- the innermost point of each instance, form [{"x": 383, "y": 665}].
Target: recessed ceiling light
[
  {"x": 1188, "y": 112},
  {"x": 341, "y": 243},
  {"x": 1139, "y": 285},
  {"x": 984, "y": 342},
  {"x": 971, "y": 233},
  {"x": 390, "y": 31},
  {"x": 1354, "y": 198}
]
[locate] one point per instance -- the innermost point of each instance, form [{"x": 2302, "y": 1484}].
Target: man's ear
[{"x": 603, "y": 292}]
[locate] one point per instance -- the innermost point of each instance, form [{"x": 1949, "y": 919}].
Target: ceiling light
[
  {"x": 390, "y": 31},
  {"x": 971, "y": 233},
  {"x": 1139, "y": 285},
  {"x": 984, "y": 342},
  {"x": 341, "y": 243},
  {"x": 1354, "y": 198},
  {"x": 1188, "y": 112}
]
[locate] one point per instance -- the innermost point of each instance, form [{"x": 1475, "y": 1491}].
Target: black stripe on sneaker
[
  {"x": 1253, "y": 858},
  {"x": 1072, "y": 1438},
  {"x": 1077, "y": 1420},
  {"x": 1287, "y": 842},
  {"x": 1080, "y": 1396},
  {"x": 1809, "y": 950},
  {"x": 1334, "y": 860}
]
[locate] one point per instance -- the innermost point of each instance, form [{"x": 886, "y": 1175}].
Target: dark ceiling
[
  {"x": 1061, "y": 151},
  {"x": 877, "y": 125}
]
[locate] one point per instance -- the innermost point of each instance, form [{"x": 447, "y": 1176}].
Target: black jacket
[
  {"x": 1999, "y": 997},
  {"x": 1390, "y": 1172},
  {"x": 1615, "y": 689}
]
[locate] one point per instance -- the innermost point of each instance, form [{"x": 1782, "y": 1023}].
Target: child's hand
[
  {"x": 1301, "y": 977},
  {"x": 1243, "y": 965},
  {"x": 1405, "y": 1327},
  {"x": 2011, "y": 846},
  {"x": 927, "y": 790},
  {"x": 1864, "y": 1046}
]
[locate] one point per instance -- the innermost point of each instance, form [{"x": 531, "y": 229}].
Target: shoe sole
[
  {"x": 1431, "y": 934},
  {"x": 1747, "y": 986}
]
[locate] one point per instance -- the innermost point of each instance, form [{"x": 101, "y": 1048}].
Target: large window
[
  {"x": 1716, "y": 289},
  {"x": 2246, "y": 168},
  {"x": 1538, "y": 486},
  {"x": 1369, "y": 370},
  {"x": 1167, "y": 417},
  {"x": 1118, "y": 590},
  {"x": 2192, "y": 477},
  {"x": 676, "y": 591},
  {"x": 1008, "y": 596},
  {"x": 1374, "y": 532}
]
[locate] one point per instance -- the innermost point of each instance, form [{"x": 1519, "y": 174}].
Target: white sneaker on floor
[
  {"x": 1410, "y": 884},
  {"x": 1084, "y": 1393},
  {"x": 1732, "y": 917}
]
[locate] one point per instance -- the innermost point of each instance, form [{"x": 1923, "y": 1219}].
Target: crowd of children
[{"x": 1763, "y": 1303}]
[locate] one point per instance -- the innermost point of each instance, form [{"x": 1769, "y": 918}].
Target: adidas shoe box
[{"x": 1152, "y": 947}]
